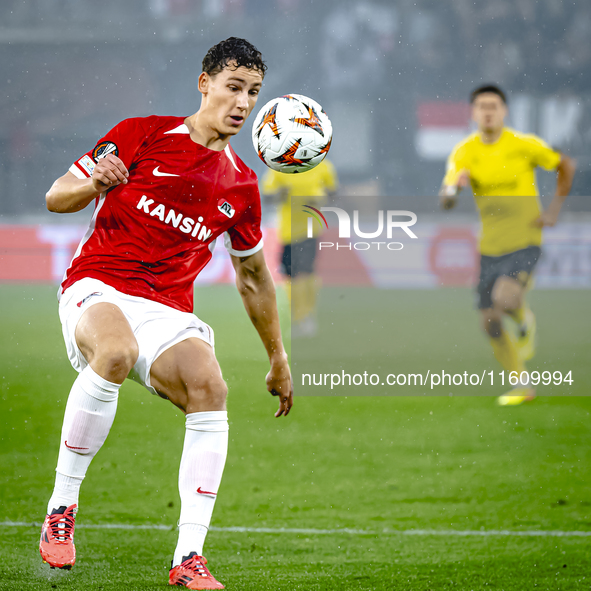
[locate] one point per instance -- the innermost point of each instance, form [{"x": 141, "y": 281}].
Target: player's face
[
  {"x": 489, "y": 111},
  {"x": 230, "y": 96}
]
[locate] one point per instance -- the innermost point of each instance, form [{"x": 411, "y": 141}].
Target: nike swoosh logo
[
  {"x": 158, "y": 173},
  {"x": 205, "y": 492},
  {"x": 72, "y": 447}
]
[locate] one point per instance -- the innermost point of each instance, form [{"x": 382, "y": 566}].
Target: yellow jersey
[
  {"x": 303, "y": 188},
  {"x": 503, "y": 181}
]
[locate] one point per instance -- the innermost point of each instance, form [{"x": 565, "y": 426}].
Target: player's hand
[
  {"x": 108, "y": 173},
  {"x": 279, "y": 384},
  {"x": 448, "y": 196},
  {"x": 447, "y": 202},
  {"x": 463, "y": 179},
  {"x": 546, "y": 219}
]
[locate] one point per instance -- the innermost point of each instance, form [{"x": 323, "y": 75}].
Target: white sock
[
  {"x": 200, "y": 474},
  {"x": 90, "y": 411}
]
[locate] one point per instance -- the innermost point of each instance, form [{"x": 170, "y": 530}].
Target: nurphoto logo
[{"x": 386, "y": 223}]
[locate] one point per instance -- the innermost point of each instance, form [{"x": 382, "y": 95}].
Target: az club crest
[{"x": 226, "y": 208}]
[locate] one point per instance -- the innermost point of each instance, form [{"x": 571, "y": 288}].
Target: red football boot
[
  {"x": 193, "y": 574},
  {"x": 57, "y": 538}
]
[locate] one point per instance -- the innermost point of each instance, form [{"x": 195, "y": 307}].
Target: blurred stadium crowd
[{"x": 394, "y": 77}]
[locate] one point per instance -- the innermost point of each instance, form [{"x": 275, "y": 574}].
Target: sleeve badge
[{"x": 104, "y": 149}]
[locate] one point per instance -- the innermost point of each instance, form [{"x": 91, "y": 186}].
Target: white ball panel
[{"x": 291, "y": 133}]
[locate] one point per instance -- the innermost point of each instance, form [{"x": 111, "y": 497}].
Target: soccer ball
[{"x": 292, "y": 133}]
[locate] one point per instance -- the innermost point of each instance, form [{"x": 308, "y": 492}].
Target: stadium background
[{"x": 394, "y": 77}]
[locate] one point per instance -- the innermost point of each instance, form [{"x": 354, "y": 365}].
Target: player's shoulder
[
  {"x": 164, "y": 124},
  {"x": 530, "y": 139},
  {"x": 246, "y": 174},
  {"x": 151, "y": 123},
  {"x": 464, "y": 146}
]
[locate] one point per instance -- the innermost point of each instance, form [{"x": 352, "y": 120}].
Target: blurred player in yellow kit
[
  {"x": 292, "y": 192},
  {"x": 499, "y": 163}
]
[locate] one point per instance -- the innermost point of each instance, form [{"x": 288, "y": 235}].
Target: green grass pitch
[{"x": 430, "y": 466}]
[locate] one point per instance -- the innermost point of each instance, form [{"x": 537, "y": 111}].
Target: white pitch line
[{"x": 313, "y": 531}]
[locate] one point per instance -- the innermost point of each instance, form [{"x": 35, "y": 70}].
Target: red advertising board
[{"x": 42, "y": 253}]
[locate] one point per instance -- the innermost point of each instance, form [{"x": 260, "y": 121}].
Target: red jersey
[{"x": 152, "y": 236}]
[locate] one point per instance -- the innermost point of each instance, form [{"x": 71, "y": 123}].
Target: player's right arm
[
  {"x": 457, "y": 177},
  {"x": 101, "y": 169},
  {"x": 69, "y": 194},
  {"x": 448, "y": 194}
]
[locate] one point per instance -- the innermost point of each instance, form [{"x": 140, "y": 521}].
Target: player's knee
[
  {"x": 209, "y": 391},
  {"x": 507, "y": 296},
  {"x": 506, "y": 302},
  {"x": 118, "y": 358},
  {"x": 492, "y": 327}
]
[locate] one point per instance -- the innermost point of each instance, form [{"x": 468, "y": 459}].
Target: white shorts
[{"x": 156, "y": 327}]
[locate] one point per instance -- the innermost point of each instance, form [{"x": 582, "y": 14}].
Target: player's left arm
[
  {"x": 257, "y": 290},
  {"x": 565, "y": 172}
]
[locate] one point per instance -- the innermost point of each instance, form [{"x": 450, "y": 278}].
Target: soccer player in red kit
[{"x": 164, "y": 189}]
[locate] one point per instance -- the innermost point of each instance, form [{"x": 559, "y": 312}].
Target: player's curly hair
[
  {"x": 236, "y": 51},
  {"x": 486, "y": 89}
]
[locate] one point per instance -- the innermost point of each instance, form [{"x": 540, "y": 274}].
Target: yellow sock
[
  {"x": 518, "y": 314},
  {"x": 298, "y": 301},
  {"x": 506, "y": 352},
  {"x": 311, "y": 282}
]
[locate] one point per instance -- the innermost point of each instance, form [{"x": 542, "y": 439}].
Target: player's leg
[
  {"x": 497, "y": 294},
  {"x": 507, "y": 296},
  {"x": 526, "y": 330},
  {"x": 286, "y": 270},
  {"x": 106, "y": 341},
  {"x": 493, "y": 301},
  {"x": 304, "y": 288},
  {"x": 518, "y": 272},
  {"x": 502, "y": 342},
  {"x": 491, "y": 312},
  {"x": 506, "y": 353},
  {"x": 298, "y": 288},
  {"x": 189, "y": 375},
  {"x": 310, "y": 278},
  {"x": 526, "y": 323}
]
